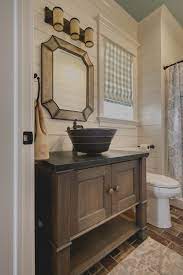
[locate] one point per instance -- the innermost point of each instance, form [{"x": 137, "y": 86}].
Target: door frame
[{"x": 24, "y": 215}]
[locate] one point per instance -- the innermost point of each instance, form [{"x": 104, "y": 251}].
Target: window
[{"x": 118, "y": 82}]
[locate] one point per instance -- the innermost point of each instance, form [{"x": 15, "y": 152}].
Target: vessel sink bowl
[{"x": 91, "y": 140}]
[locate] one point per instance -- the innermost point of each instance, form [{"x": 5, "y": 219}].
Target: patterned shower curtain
[{"x": 175, "y": 121}]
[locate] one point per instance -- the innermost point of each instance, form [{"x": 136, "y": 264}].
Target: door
[
  {"x": 125, "y": 177},
  {"x": 90, "y": 198}
]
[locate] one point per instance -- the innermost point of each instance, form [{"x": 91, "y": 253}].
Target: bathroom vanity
[{"x": 79, "y": 202}]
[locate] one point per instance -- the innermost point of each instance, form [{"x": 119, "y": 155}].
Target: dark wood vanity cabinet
[{"x": 79, "y": 200}]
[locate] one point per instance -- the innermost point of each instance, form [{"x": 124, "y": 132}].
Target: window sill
[{"x": 120, "y": 122}]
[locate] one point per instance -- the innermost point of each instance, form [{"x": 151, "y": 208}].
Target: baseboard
[{"x": 177, "y": 203}]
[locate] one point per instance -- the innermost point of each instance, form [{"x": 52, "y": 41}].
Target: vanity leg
[
  {"x": 60, "y": 264},
  {"x": 141, "y": 208},
  {"x": 141, "y": 220}
]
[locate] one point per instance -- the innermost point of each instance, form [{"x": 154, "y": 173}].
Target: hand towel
[{"x": 41, "y": 149}]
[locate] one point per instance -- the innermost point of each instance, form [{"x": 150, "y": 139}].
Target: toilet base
[{"x": 158, "y": 212}]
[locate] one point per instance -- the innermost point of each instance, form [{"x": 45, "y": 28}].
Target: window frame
[{"x": 111, "y": 32}]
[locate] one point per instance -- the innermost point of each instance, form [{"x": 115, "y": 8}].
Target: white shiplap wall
[
  {"x": 86, "y": 11},
  {"x": 149, "y": 88}
]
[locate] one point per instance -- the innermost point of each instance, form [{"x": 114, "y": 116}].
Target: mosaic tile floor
[{"x": 171, "y": 238}]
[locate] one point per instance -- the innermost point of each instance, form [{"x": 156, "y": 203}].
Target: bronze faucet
[{"x": 75, "y": 126}]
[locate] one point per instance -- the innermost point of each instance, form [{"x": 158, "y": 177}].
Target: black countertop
[{"x": 66, "y": 160}]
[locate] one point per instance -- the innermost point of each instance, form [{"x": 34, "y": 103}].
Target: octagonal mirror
[{"x": 67, "y": 80}]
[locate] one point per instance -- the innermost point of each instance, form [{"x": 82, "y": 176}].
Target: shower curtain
[{"x": 175, "y": 121}]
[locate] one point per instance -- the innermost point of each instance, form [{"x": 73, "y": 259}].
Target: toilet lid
[{"x": 162, "y": 181}]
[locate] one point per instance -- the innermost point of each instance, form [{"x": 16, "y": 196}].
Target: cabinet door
[
  {"x": 125, "y": 182},
  {"x": 90, "y": 198}
]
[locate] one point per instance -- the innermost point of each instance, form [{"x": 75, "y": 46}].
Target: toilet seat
[
  {"x": 162, "y": 181},
  {"x": 163, "y": 193}
]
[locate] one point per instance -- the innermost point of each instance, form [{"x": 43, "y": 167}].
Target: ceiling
[{"x": 139, "y": 9}]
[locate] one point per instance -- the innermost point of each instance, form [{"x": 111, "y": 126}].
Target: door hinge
[{"x": 27, "y": 138}]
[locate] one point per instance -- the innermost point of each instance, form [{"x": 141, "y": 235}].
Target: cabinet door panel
[
  {"x": 88, "y": 190},
  {"x": 125, "y": 185},
  {"x": 90, "y": 200}
]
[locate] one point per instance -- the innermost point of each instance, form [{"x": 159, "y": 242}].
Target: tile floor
[{"x": 172, "y": 237}]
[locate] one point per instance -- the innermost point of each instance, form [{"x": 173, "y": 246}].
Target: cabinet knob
[
  {"x": 116, "y": 188},
  {"x": 111, "y": 191}
]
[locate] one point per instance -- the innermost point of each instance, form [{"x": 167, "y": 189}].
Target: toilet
[{"x": 160, "y": 189}]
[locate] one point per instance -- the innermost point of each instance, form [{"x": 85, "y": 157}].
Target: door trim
[{"x": 24, "y": 216}]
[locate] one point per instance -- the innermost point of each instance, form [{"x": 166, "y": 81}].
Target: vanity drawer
[
  {"x": 125, "y": 177},
  {"x": 90, "y": 198}
]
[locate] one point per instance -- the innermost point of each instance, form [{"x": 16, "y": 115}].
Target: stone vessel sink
[{"x": 91, "y": 140}]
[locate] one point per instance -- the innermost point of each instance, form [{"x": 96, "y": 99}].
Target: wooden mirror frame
[{"x": 47, "y": 99}]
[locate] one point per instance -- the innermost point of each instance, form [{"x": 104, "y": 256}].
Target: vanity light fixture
[
  {"x": 89, "y": 37},
  {"x": 56, "y": 19},
  {"x": 74, "y": 28}
]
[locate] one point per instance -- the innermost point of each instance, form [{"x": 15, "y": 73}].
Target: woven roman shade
[{"x": 118, "y": 74}]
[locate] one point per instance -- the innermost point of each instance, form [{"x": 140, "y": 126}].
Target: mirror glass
[{"x": 69, "y": 81}]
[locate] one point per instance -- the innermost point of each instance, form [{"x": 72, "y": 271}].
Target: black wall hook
[{"x": 39, "y": 87}]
